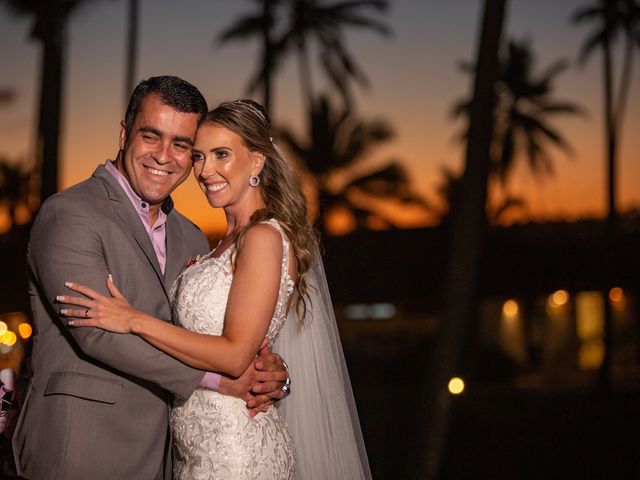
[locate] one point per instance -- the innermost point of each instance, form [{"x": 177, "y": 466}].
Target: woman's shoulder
[{"x": 267, "y": 231}]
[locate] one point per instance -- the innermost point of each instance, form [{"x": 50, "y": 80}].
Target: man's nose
[{"x": 162, "y": 154}]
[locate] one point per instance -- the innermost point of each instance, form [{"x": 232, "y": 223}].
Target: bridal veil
[{"x": 321, "y": 411}]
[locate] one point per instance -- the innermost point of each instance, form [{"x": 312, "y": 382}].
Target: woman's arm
[{"x": 250, "y": 306}]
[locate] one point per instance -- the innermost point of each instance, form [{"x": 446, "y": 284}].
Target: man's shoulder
[{"x": 82, "y": 197}]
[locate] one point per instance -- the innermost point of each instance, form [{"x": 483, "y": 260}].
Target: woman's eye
[
  {"x": 196, "y": 156},
  {"x": 221, "y": 154}
]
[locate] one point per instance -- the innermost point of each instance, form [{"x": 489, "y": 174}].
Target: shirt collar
[{"x": 138, "y": 203}]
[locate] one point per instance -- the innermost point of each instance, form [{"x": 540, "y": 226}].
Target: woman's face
[{"x": 222, "y": 165}]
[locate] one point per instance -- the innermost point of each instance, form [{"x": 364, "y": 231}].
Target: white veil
[{"x": 321, "y": 411}]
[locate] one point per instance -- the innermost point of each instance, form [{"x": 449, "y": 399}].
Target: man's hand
[{"x": 261, "y": 384}]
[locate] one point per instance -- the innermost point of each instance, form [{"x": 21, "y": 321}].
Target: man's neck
[{"x": 154, "y": 209}]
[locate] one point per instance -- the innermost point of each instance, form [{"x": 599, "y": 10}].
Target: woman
[{"x": 264, "y": 278}]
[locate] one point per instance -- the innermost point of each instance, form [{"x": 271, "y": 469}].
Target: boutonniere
[{"x": 193, "y": 261}]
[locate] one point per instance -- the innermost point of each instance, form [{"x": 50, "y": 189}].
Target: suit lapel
[
  {"x": 175, "y": 247},
  {"x": 124, "y": 210}
]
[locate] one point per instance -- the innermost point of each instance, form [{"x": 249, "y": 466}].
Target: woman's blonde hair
[{"x": 280, "y": 187}]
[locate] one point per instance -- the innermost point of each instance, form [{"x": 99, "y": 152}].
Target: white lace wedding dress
[{"x": 213, "y": 436}]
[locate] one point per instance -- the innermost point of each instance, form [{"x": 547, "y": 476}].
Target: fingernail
[
  {"x": 63, "y": 311},
  {"x": 71, "y": 322},
  {"x": 59, "y": 298},
  {"x": 110, "y": 277},
  {"x": 68, "y": 284}
]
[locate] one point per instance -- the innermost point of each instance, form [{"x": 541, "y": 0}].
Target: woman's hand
[{"x": 114, "y": 314}]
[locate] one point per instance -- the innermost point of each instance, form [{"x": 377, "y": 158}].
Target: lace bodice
[
  {"x": 200, "y": 293},
  {"x": 214, "y": 437}
]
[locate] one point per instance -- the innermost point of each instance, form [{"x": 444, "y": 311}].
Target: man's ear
[{"x": 123, "y": 135}]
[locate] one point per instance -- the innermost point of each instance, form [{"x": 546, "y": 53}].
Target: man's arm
[{"x": 66, "y": 246}]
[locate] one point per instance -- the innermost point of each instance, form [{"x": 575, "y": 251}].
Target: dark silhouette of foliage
[
  {"x": 336, "y": 147},
  {"x": 448, "y": 191},
  {"x": 49, "y": 28},
  {"x": 314, "y": 21},
  {"x": 259, "y": 24},
  {"x": 468, "y": 231},
  {"x": 284, "y": 27},
  {"x": 612, "y": 19},
  {"x": 524, "y": 105},
  {"x": 14, "y": 187}
]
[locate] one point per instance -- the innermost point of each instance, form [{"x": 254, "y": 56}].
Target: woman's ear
[{"x": 257, "y": 162}]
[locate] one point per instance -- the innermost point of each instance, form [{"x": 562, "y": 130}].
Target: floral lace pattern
[{"x": 213, "y": 436}]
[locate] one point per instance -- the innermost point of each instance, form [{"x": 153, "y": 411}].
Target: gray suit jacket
[{"x": 98, "y": 403}]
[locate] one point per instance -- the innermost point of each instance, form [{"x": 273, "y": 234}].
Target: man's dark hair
[{"x": 173, "y": 92}]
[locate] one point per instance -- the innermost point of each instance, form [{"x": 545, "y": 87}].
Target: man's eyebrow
[
  {"x": 177, "y": 138},
  {"x": 155, "y": 131},
  {"x": 182, "y": 138}
]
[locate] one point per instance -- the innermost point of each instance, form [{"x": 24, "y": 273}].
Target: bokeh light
[
  {"x": 3, "y": 328},
  {"x": 510, "y": 308},
  {"x": 560, "y": 297},
  {"x": 25, "y": 330},
  {"x": 616, "y": 295},
  {"x": 9, "y": 338},
  {"x": 456, "y": 385}
]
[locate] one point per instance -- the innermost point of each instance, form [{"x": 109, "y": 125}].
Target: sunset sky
[{"x": 414, "y": 76}]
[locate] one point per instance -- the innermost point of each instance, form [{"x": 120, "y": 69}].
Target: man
[{"x": 98, "y": 403}]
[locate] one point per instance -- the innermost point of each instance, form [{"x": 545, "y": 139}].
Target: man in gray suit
[{"x": 98, "y": 402}]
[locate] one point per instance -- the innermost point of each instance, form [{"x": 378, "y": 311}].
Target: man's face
[{"x": 157, "y": 155}]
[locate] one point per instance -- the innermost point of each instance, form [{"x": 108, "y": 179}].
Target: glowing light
[
  {"x": 616, "y": 294},
  {"x": 589, "y": 315},
  {"x": 591, "y": 354},
  {"x": 456, "y": 385},
  {"x": 3, "y": 328},
  {"x": 510, "y": 308},
  {"x": 9, "y": 338},
  {"x": 560, "y": 297},
  {"x": 376, "y": 311},
  {"x": 25, "y": 330}
]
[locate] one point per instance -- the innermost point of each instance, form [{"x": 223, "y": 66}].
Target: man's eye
[
  {"x": 149, "y": 138},
  {"x": 182, "y": 146}
]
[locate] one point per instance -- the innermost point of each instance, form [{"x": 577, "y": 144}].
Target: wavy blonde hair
[{"x": 280, "y": 187}]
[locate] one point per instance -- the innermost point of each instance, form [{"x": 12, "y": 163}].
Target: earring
[{"x": 254, "y": 180}]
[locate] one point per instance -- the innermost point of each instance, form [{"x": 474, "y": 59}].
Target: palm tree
[
  {"x": 50, "y": 29},
  {"x": 259, "y": 24},
  {"x": 132, "y": 49},
  {"x": 524, "y": 104},
  {"x": 336, "y": 147},
  {"x": 14, "y": 187},
  {"x": 612, "y": 18},
  {"x": 312, "y": 20},
  {"x": 448, "y": 191},
  {"x": 467, "y": 240}
]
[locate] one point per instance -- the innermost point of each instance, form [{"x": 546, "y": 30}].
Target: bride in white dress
[{"x": 264, "y": 279}]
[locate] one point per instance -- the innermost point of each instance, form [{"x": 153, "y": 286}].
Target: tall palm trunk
[
  {"x": 132, "y": 50},
  {"x": 604, "y": 377},
  {"x": 468, "y": 233},
  {"x": 304, "y": 66},
  {"x": 51, "y": 31},
  {"x": 267, "y": 43}
]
